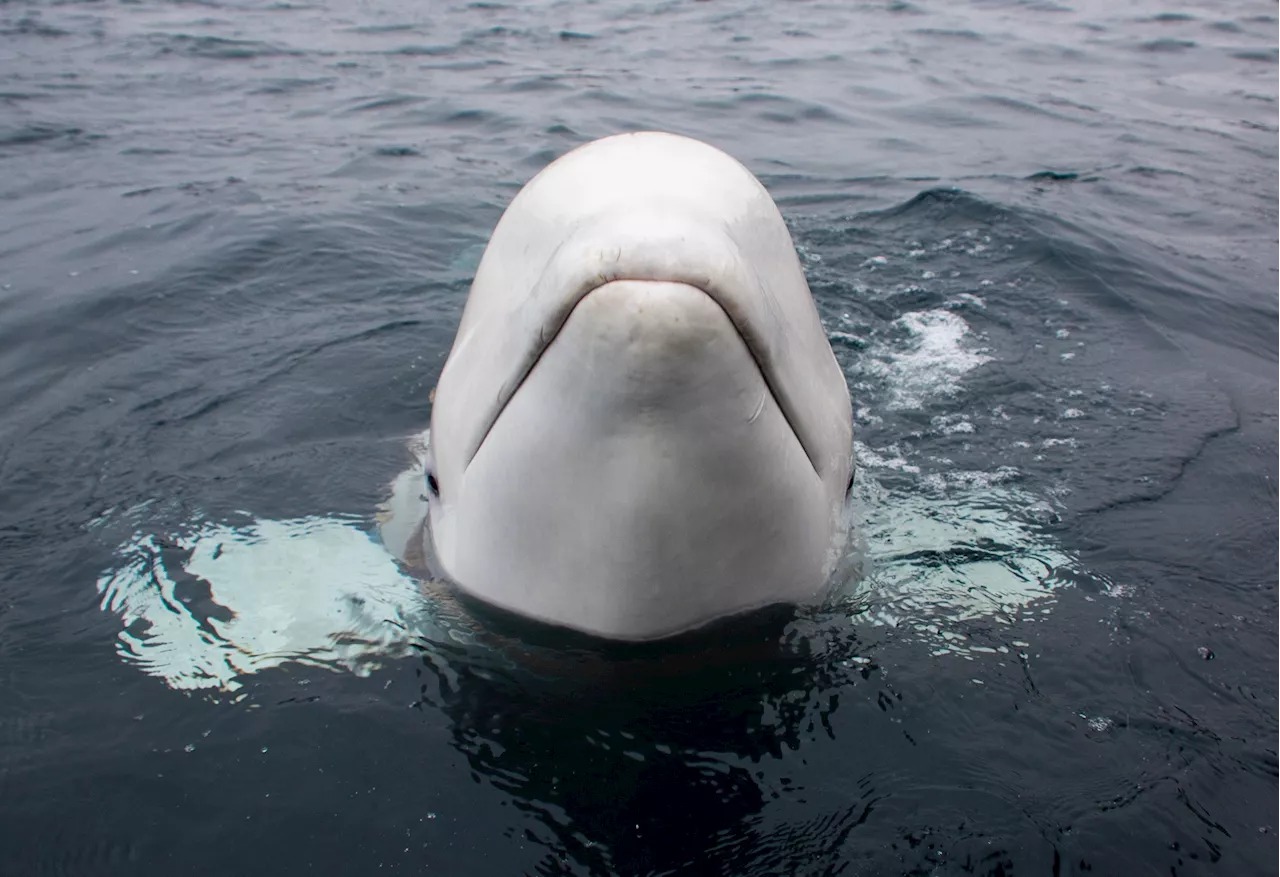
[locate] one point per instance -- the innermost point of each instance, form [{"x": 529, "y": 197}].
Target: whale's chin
[{"x": 641, "y": 481}]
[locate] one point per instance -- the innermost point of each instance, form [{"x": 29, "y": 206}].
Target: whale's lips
[
  {"x": 639, "y": 247},
  {"x": 677, "y": 336}
]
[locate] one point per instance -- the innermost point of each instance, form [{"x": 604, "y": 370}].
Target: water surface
[{"x": 236, "y": 241}]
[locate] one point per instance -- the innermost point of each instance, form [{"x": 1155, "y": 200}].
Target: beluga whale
[{"x": 641, "y": 427}]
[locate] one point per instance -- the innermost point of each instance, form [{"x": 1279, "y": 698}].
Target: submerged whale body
[{"x": 641, "y": 426}]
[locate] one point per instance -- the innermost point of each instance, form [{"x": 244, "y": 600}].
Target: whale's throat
[{"x": 624, "y": 470}]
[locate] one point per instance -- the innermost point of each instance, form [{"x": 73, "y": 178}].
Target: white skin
[{"x": 641, "y": 427}]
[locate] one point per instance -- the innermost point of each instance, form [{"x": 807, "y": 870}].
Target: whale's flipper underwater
[
  {"x": 641, "y": 426},
  {"x": 641, "y": 429}
]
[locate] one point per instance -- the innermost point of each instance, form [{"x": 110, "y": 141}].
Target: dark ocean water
[{"x": 235, "y": 241}]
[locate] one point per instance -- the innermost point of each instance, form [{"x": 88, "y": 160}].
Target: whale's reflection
[{"x": 650, "y": 759}]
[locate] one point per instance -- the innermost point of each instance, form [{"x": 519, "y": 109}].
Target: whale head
[{"x": 641, "y": 426}]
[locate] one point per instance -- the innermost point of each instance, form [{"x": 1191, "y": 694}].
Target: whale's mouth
[
  {"x": 517, "y": 310},
  {"x": 548, "y": 336},
  {"x": 638, "y": 248}
]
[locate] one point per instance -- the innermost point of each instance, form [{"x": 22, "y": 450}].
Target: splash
[
  {"x": 946, "y": 551},
  {"x": 925, "y": 360}
]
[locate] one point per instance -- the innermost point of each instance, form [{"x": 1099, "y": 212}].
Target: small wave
[
  {"x": 385, "y": 102},
  {"x": 218, "y": 48},
  {"x": 1167, "y": 44},
  {"x": 1055, "y": 176},
  {"x": 32, "y": 27},
  {"x": 27, "y": 135},
  {"x": 423, "y": 50},
  {"x": 1265, "y": 56},
  {"x": 947, "y": 204},
  {"x": 397, "y": 151},
  {"x": 382, "y": 28},
  {"x": 945, "y": 33},
  {"x": 538, "y": 83},
  {"x": 292, "y": 85}
]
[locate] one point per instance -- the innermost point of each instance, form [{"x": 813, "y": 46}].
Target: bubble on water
[
  {"x": 889, "y": 457},
  {"x": 1097, "y": 723}
]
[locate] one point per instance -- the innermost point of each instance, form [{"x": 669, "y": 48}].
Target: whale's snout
[
  {"x": 641, "y": 426},
  {"x": 613, "y": 491}
]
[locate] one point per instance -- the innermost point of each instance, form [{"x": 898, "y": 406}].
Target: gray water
[{"x": 234, "y": 245}]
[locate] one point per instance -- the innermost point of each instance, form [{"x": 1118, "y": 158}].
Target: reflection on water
[
  {"x": 205, "y": 608},
  {"x": 588, "y": 738},
  {"x": 958, "y": 557},
  {"x": 646, "y": 760}
]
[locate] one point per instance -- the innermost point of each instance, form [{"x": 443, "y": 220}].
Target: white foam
[
  {"x": 936, "y": 355},
  {"x": 882, "y": 458},
  {"x": 967, "y": 299},
  {"x": 951, "y": 424}
]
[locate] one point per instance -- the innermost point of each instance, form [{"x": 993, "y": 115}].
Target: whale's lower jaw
[{"x": 642, "y": 481}]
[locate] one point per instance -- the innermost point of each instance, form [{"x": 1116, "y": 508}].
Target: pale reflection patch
[
  {"x": 203, "y": 609},
  {"x": 935, "y": 562}
]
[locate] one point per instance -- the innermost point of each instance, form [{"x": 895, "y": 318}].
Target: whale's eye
[
  {"x": 848, "y": 488},
  {"x": 432, "y": 484}
]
